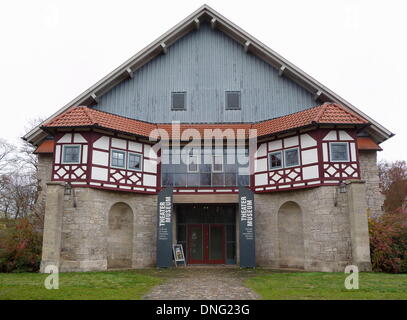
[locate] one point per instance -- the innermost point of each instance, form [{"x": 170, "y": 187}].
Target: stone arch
[
  {"x": 120, "y": 236},
  {"x": 291, "y": 235}
]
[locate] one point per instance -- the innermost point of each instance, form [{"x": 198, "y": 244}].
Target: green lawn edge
[
  {"x": 268, "y": 284},
  {"x": 110, "y": 285},
  {"x": 327, "y": 286}
]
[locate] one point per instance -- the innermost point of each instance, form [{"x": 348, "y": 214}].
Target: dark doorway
[{"x": 207, "y": 233}]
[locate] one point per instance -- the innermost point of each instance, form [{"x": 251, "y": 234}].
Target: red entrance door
[{"x": 206, "y": 244}]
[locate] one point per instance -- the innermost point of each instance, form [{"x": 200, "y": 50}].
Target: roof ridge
[
  {"x": 87, "y": 112},
  {"x": 321, "y": 112},
  {"x": 191, "y": 22}
]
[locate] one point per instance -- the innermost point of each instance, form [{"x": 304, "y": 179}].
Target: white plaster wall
[{"x": 102, "y": 143}]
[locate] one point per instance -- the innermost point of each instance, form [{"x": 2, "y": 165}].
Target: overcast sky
[{"x": 51, "y": 51}]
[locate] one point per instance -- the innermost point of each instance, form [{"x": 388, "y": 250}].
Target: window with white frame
[
  {"x": 275, "y": 160},
  {"x": 217, "y": 163},
  {"x": 71, "y": 153},
  {"x": 134, "y": 161},
  {"x": 118, "y": 159},
  {"x": 193, "y": 163},
  {"x": 291, "y": 158},
  {"x": 339, "y": 151}
]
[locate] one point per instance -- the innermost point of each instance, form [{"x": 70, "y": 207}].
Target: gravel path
[{"x": 196, "y": 283}]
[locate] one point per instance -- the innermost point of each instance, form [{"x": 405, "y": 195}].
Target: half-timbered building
[{"x": 209, "y": 139}]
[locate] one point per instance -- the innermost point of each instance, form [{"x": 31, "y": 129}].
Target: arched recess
[
  {"x": 291, "y": 236},
  {"x": 120, "y": 236}
]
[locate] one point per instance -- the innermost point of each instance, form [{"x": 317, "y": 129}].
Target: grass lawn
[
  {"x": 318, "y": 285},
  {"x": 81, "y": 286},
  {"x": 133, "y": 284}
]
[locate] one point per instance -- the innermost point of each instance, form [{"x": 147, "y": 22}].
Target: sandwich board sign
[{"x": 178, "y": 254}]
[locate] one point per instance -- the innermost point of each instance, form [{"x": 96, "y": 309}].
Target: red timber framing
[
  {"x": 315, "y": 165},
  {"x": 205, "y": 190},
  {"x": 311, "y": 131},
  {"x": 95, "y": 169}
]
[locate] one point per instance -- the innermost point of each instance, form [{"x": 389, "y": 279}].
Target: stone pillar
[
  {"x": 51, "y": 244},
  {"x": 359, "y": 225}
]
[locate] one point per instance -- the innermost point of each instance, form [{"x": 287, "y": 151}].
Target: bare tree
[
  {"x": 19, "y": 184},
  {"x": 6, "y": 153},
  {"x": 393, "y": 183}
]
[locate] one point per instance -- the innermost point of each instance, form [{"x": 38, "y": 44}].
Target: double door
[{"x": 206, "y": 243}]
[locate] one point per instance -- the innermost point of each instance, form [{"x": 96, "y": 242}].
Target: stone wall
[
  {"x": 44, "y": 172},
  {"x": 85, "y": 229},
  {"x": 291, "y": 236},
  {"x": 327, "y": 224},
  {"x": 120, "y": 236},
  {"x": 369, "y": 173},
  {"x": 334, "y": 227}
]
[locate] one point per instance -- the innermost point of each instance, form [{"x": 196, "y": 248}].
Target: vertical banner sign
[
  {"x": 164, "y": 228},
  {"x": 247, "y": 240}
]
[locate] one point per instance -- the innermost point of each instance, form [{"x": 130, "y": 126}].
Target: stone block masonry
[
  {"x": 333, "y": 226},
  {"x": 85, "y": 230},
  {"x": 318, "y": 229},
  {"x": 369, "y": 173}
]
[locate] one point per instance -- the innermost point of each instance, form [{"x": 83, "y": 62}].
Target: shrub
[
  {"x": 20, "y": 248},
  {"x": 388, "y": 242}
]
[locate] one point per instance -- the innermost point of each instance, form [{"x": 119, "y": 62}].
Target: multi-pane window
[
  {"x": 291, "y": 158},
  {"x": 193, "y": 163},
  {"x": 275, "y": 160},
  {"x": 134, "y": 161},
  {"x": 232, "y": 100},
  {"x": 207, "y": 168},
  {"x": 118, "y": 159},
  {"x": 178, "y": 100},
  {"x": 339, "y": 151},
  {"x": 71, "y": 153},
  {"x": 217, "y": 163}
]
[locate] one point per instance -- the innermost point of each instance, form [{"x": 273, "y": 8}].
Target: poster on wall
[
  {"x": 247, "y": 236},
  {"x": 164, "y": 228}
]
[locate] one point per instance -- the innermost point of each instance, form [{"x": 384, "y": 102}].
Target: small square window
[
  {"x": 71, "y": 154},
  {"x": 178, "y": 101},
  {"x": 118, "y": 159},
  {"x": 339, "y": 151},
  {"x": 217, "y": 163},
  {"x": 291, "y": 158},
  {"x": 275, "y": 160},
  {"x": 232, "y": 100},
  {"x": 134, "y": 161}
]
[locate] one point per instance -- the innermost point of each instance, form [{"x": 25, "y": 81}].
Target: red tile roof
[
  {"x": 328, "y": 113},
  {"x": 46, "y": 146},
  {"x": 366, "y": 143},
  {"x": 86, "y": 117}
]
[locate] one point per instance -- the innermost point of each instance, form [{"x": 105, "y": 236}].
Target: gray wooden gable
[{"x": 206, "y": 63}]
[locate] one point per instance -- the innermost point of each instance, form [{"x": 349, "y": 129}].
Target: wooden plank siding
[{"x": 205, "y": 64}]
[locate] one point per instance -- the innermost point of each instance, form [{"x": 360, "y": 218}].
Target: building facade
[{"x": 209, "y": 139}]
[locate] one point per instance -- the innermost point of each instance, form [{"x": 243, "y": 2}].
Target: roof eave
[
  {"x": 315, "y": 125},
  {"x": 249, "y": 42}
]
